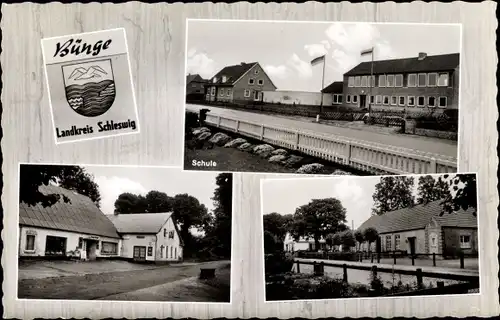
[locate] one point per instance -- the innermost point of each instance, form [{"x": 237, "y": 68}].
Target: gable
[{"x": 268, "y": 83}]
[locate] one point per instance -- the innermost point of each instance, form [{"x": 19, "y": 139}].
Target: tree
[
  {"x": 360, "y": 238},
  {"x": 158, "y": 202},
  {"x": 370, "y": 235},
  {"x": 464, "y": 194},
  {"x": 219, "y": 231},
  {"x": 131, "y": 203},
  {"x": 347, "y": 239},
  {"x": 277, "y": 225},
  {"x": 393, "y": 193},
  {"x": 430, "y": 189},
  {"x": 74, "y": 178},
  {"x": 337, "y": 239},
  {"x": 318, "y": 218}
]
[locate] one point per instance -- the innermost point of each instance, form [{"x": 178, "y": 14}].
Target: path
[
  {"x": 92, "y": 286},
  {"x": 443, "y": 147}
]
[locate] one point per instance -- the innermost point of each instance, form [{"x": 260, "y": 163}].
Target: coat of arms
[{"x": 90, "y": 87}]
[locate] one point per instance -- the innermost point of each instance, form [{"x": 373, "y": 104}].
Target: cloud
[
  {"x": 301, "y": 67},
  {"x": 348, "y": 189},
  {"x": 315, "y": 50},
  {"x": 111, "y": 187},
  {"x": 348, "y": 40},
  {"x": 276, "y": 71},
  {"x": 200, "y": 63}
]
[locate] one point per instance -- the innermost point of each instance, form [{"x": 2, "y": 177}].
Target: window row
[
  {"x": 410, "y": 101},
  {"x": 173, "y": 252},
  {"x": 260, "y": 82},
  {"x": 433, "y": 79},
  {"x": 106, "y": 247},
  {"x": 170, "y": 234}
]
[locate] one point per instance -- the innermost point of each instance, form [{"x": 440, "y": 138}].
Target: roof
[
  {"x": 233, "y": 73},
  {"x": 443, "y": 62},
  {"x": 194, "y": 77},
  {"x": 417, "y": 217},
  {"x": 334, "y": 87},
  {"x": 139, "y": 222},
  {"x": 80, "y": 215}
]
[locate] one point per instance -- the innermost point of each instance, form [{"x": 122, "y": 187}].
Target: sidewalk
[{"x": 451, "y": 271}]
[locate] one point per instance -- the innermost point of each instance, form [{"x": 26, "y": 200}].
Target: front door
[
  {"x": 91, "y": 248},
  {"x": 411, "y": 242},
  {"x": 362, "y": 101},
  {"x": 433, "y": 243},
  {"x": 139, "y": 253}
]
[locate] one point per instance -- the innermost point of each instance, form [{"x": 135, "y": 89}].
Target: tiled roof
[
  {"x": 192, "y": 77},
  {"x": 417, "y": 217},
  {"x": 139, "y": 222},
  {"x": 334, "y": 87},
  {"x": 443, "y": 62},
  {"x": 80, "y": 215},
  {"x": 232, "y": 73}
]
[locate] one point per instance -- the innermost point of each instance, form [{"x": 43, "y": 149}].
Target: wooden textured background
[{"x": 156, "y": 39}]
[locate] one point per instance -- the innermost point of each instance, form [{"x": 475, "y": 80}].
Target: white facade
[
  {"x": 162, "y": 246},
  {"x": 33, "y": 243},
  {"x": 290, "y": 245}
]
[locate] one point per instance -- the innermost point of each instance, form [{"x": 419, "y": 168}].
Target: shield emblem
[{"x": 90, "y": 87}]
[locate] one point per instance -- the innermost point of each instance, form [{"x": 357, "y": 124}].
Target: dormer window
[
  {"x": 215, "y": 80},
  {"x": 224, "y": 79}
]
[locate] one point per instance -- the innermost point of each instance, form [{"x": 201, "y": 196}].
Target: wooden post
[
  {"x": 321, "y": 268},
  {"x": 378, "y": 257},
  {"x": 412, "y": 259},
  {"x": 462, "y": 264},
  {"x": 237, "y": 126},
  {"x": 347, "y": 159},
  {"x": 374, "y": 271},
  {"x": 296, "y": 146},
  {"x": 434, "y": 259},
  {"x": 361, "y": 257},
  {"x": 372, "y": 257},
  {"x": 298, "y": 266},
  {"x": 262, "y": 132},
  {"x": 420, "y": 279},
  {"x": 394, "y": 255},
  {"x": 218, "y": 121},
  {"x": 345, "y": 273}
]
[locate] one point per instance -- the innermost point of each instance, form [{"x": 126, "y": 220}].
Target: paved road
[
  {"x": 90, "y": 286},
  {"x": 443, "y": 147}
]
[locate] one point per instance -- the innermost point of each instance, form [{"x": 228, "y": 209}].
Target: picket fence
[{"x": 361, "y": 155}]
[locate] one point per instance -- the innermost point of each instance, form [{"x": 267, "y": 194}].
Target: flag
[
  {"x": 367, "y": 51},
  {"x": 317, "y": 60}
]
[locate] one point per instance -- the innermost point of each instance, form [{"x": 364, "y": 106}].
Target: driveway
[
  {"x": 99, "y": 280},
  {"x": 447, "y": 148}
]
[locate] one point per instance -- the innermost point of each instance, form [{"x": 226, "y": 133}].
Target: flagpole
[
  {"x": 372, "y": 84},
  {"x": 323, "y": 83}
]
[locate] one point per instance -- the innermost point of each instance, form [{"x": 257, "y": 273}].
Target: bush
[
  {"x": 279, "y": 262},
  {"x": 441, "y": 122}
]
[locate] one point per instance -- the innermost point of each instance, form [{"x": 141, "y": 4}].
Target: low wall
[
  {"x": 361, "y": 155},
  {"x": 297, "y": 98}
]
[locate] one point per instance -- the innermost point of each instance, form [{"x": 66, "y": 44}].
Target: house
[
  {"x": 412, "y": 84},
  {"x": 302, "y": 244},
  {"x": 77, "y": 228},
  {"x": 241, "y": 83},
  {"x": 422, "y": 230},
  {"x": 334, "y": 92},
  {"x": 148, "y": 237},
  {"x": 195, "y": 87}
]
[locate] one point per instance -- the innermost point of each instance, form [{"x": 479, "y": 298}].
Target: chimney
[
  {"x": 242, "y": 63},
  {"x": 422, "y": 56}
]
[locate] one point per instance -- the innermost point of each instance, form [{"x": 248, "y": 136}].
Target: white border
[
  {"x": 459, "y": 131},
  {"x": 131, "y": 84},
  {"x": 232, "y": 270},
  {"x": 480, "y": 250}
]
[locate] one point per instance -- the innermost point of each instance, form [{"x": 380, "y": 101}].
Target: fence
[
  {"x": 371, "y": 157},
  {"x": 376, "y": 257},
  {"x": 472, "y": 280}
]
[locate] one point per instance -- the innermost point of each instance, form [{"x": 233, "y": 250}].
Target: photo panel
[
  {"x": 370, "y": 237},
  {"x": 326, "y": 98},
  {"x": 122, "y": 233}
]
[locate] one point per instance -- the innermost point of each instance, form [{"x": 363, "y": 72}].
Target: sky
[
  {"x": 355, "y": 193},
  {"x": 285, "y": 49},
  {"x": 113, "y": 181}
]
